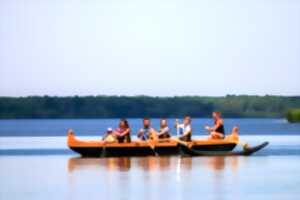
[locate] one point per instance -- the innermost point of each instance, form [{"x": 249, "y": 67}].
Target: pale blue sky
[{"x": 150, "y": 47}]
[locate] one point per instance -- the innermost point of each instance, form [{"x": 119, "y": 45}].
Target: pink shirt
[{"x": 120, "y": 131}]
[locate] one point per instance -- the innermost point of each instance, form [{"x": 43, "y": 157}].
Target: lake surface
[
  {"x": 35, "y": 163},
  {"x": 96, "y": 127}
]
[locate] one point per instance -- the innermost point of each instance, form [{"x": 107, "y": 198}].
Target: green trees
[
  {"x": 293, "y": 115},
  {"x": 141, "y": 106}
]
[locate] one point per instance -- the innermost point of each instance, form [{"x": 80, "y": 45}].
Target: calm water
[
  {"x": 42, "y": 167},
  {"x": 96, "y": 127}
]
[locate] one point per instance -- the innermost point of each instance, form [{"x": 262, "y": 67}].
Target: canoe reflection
[
  {"x": 219, "y": 163},
  {"x": 119, "y": 164},
  {"x": 215, "y": 163},
  {"x": 152, "y": 163}
]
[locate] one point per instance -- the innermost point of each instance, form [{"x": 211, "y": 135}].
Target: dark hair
[
  {"x": 188, "y": 117},
  {"x": 217, "y": 113},
  {"x": 163, "y": 119},
  {"x": 125, "y": 122},
  {"x": 146, "y": 118}
]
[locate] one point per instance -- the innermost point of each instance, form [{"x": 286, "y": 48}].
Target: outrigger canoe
[{"x": 201, "y": 147}]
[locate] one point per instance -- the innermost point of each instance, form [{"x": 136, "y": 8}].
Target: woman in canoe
[
  {"x": 217, "y": 131},
  {"x": 185, "y": 129},
  {"x": 164, "y": 131},
  {"x": 123, "y": 132}
]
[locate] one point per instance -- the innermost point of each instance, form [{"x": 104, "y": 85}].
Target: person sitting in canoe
[
  {"x": 217, "y": 131},
  {"x": 185, "y": 129},
  {"x": 109, "y": 137},
  {"x": 147, "y": 132},
  {"x": 123, "y": 132},
  {"x": 164, "y": 131}
]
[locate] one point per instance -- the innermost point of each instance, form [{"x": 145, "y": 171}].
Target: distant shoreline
[
  {"x": 93, "y": 107},
  {"x": 150, "y": 96},
  {"x": 133, "y": 118}
]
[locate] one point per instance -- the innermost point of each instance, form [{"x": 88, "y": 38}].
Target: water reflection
[
  {"x": 154, "y": 163},
  {"x": 151, "y": 177},
  {"x": 217, "y": 163},
  {"x": 119, "y": 164},
  {"x": 111, "y": 164}
]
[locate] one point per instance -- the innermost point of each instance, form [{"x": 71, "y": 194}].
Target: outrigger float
[{"x": 199, "y": 147}]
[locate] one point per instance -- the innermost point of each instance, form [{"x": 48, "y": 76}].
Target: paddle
[
  {"x": 175, "y": 140},
  {"x": 182, "y": 142},
  {"x": 151, "y": 144},
  {"x": 177, "y": 128}
]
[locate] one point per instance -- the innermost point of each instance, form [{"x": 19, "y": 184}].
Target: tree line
[
  {"x": 293, "y": 115},
  {"x": 144, "y": 106}
]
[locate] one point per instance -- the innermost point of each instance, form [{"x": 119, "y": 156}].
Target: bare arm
[
  {"x": 215, "y": 127},
  {"x": 163, "y": 131},
  {"x": 127, "y": 131},
  {"x": 141, "y": 133},
  {"x": 187, "y": 132}
]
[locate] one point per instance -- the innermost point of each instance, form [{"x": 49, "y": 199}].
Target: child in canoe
[{"x": 109, "y": 137}]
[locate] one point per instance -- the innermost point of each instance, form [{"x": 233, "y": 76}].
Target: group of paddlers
[{"x": 184, "y": 131}]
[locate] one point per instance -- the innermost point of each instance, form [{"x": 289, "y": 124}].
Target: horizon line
[{"x": 153, "y": 96}]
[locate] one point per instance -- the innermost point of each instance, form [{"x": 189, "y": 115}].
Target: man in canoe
[
  {"x": 123, "y": 132},
  {"x": 185, "y": 129},
  {"x": 217, "y": 131},
  {"x": 147, "y": 132}
]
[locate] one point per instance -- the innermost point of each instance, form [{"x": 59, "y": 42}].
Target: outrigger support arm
[{"x": 234, "y": 137}]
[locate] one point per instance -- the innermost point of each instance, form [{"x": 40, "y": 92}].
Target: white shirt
[{"x": 184, "y": 128}]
